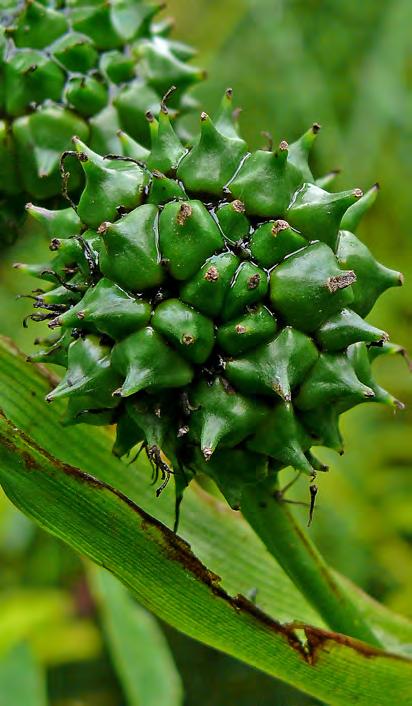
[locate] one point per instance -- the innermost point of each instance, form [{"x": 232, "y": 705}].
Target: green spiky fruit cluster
[
  {"x": 81, "y": 67},
  {"x": 211, "y": 304}
]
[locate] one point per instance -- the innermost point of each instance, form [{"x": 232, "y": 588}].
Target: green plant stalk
[{"x": 273, "y": 522}]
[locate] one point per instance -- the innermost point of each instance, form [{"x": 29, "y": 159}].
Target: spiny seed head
[{"x": 211, "y": 358}]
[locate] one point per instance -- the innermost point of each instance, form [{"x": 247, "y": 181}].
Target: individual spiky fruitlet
[
  {"x": 211, "y": 304},
  {"x": 86, "y": 67}
]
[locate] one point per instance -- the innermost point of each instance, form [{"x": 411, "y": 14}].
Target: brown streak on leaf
[
  {"x": 174, "y": 547},
  {"x": 29, "y": 461},
  {"x": 178, "y": 550},
  {"x": 317, "y": 641},
  {"x": 288, "y": 631}
]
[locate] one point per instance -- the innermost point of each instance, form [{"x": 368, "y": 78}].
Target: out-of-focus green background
[{"x": 347, "y": 65}]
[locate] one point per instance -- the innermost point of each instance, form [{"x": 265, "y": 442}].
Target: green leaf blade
[
  {"x": 169, "y": 580},
  {"x": 220, "y": 538},
  {"x": 139, "y": 650},
  {"x": 21, "y": 680}
]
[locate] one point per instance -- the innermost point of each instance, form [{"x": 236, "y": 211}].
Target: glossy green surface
[
  {"x": 365, "y": 117},
  {"x": 87, "y": 69},
  {"x": 252, "y": 335}
]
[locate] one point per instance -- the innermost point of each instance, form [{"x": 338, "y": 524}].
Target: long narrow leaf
[
  {"x": 105, "y": 525},
  {"x": 217, "y": 535},
  {"x": 22, "y": 683},
  {"x": 139, "y": 650}
]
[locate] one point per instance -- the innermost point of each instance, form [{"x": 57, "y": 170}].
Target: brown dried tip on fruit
[
  {"x": 240, "y": 329},
  {"x": 212, "y": 274},
  {"x": 207, "y": 453},
  {"x": 278, "y": 226},
  {"x": 238, "y": 206},
  {"x": 54, "y": 323},
  {"x": 203, "y": 116},
  {"x": 103, "y": 227},
  {"x": 286, "y": 397},
  {"x": 184, "y": 213},
  {"x": 253, "y": 281},
  {"x": 166, "y": 97},
  {"x": 399, "y": 405},
  {"x": 283, "y": 145},
  {"x": 315, "y": 128},
  {"x": 358, "y": 193},
  {"x": 187, "y": 339},
  {"x": 341, "y": 281}
]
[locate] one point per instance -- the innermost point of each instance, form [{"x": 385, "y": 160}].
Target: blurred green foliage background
[{"x": 347, "y": 65}]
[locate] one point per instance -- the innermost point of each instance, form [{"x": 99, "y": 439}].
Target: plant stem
[{"x": 273, "y": 522}]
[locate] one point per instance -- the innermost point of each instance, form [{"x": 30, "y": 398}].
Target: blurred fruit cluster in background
[{"x": 348, "y": 66}]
